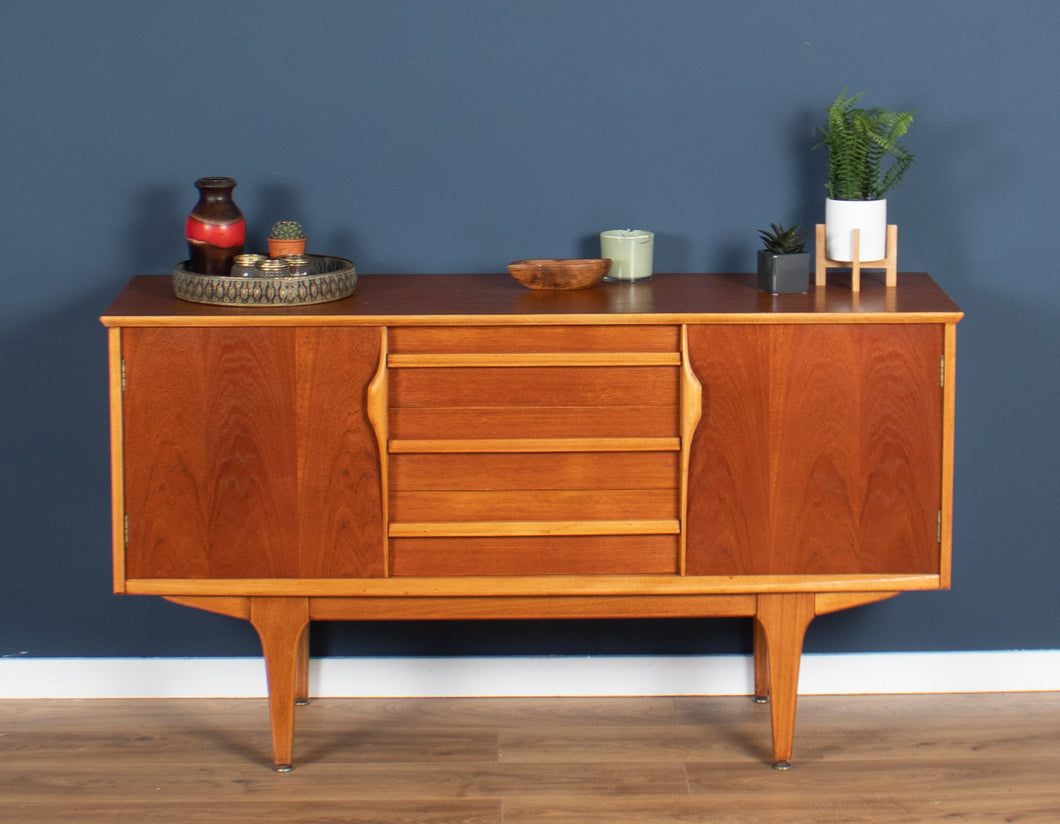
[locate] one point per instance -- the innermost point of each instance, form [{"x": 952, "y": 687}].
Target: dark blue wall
[{"x": 460, "y": 135}]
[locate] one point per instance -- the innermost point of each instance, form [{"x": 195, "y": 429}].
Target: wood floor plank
[
  {"x": 462, "y": 712},
  {"x": 968, "y": 790},
  {"x": 344, "y": 782},
  {"x": 647, "y": 743},
  {"x": 196, "y": 746},
  {"x": 259, "y": 812},
  {"x": 768, "y": 809}
]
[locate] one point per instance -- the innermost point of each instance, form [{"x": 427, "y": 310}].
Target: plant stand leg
[
  {"x": 891, "y": 267},
  {"x": 281, "y": 624},
  {"x": 822, "y": 263},
  {"x": 783, "y": 619},
  {"x": 855, "y": 264}
]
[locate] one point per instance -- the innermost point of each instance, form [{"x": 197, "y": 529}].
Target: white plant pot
[{"x": 842, "y": 217}]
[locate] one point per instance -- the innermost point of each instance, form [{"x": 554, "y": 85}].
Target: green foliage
[
  {"x": 286, "y": 230},
  {"x": 780, "y": 241},
  {"x": 858, "y": 142}
]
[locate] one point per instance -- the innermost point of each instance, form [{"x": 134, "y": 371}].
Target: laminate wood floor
[{"x": 937, "y": 758}]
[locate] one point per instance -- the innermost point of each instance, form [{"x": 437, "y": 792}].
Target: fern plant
[
  {"x": 780, "y": 241},
  {"x": 858, "y": 142}
]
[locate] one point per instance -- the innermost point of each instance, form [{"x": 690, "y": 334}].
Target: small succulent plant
[
  {"x": 781, "y": 241},
  {"x": 286, "y": 230}
]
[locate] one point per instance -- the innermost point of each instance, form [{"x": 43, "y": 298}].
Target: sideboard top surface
[{"x": 484, "y": 299}]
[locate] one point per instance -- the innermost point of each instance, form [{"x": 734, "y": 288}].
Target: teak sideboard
[{"x": 460, "y": 447}]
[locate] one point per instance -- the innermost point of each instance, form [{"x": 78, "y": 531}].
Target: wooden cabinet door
[
  {"x": 819, "y": 450},
  {"x": 248, "y": 453}
]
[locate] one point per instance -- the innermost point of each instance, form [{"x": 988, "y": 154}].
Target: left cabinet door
[{"x": 248, "y": 453}]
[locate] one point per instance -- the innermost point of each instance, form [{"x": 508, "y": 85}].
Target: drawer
[
  {"x": 498, "y": 472},
  {"x": 537, "y": 422},
  {"x": 535, "y": 555},
  {"x": 501, "y": 339},
  {"x": 534, "y": 386}
]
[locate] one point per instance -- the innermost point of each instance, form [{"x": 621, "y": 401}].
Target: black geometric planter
[{"x": 783, "y": 274}]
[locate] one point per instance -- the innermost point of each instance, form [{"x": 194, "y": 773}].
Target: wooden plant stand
[{"x": 889, "y": 263}]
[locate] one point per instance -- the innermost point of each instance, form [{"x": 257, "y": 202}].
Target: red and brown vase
[{"x": 215, "y": 229}]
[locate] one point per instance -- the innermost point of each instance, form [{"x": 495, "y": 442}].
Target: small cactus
[
  {"x": 781, "y": 241},
  {"x": 286, "y": 230}
]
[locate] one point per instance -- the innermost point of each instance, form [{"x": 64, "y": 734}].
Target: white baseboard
[{"x": 821, "y": 674}]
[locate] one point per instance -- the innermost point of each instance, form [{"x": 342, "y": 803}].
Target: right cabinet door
[{"x": 819, "y": 449}]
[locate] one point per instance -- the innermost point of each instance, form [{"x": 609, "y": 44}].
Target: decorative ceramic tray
[{"x": 335, "y": 279}]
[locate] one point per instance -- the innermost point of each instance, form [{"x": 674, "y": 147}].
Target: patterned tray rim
[{"x": 226, "y": 290}]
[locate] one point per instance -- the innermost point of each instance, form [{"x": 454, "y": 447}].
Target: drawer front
[
  {"x": 491, "y": 471},
  {"x": 600, "y": 387},
  {"x": 532, "y": 339},
  {"x": 537, "y": 422},
  {"x": 535, "y": 555},
  {"x": 534, "y": 450}
]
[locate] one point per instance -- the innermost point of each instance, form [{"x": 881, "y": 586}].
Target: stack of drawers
[{"x": 534, "y": 450}]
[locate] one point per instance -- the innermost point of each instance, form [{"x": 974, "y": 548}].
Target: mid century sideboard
[{"x": 460, "y": 447}]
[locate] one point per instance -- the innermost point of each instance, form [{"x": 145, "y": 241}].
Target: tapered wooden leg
[
  {"x": 761, "y": 662},
  {"x": 301, "y": 695},
  {"x": 281, "y": 624},
  {"x": 783, "y": 619}
]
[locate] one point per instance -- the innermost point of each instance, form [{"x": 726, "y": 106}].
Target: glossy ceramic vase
[{"x": 215, "y": 229}]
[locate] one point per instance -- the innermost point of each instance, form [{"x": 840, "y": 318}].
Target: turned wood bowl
[{"x": 560, "y": 273}]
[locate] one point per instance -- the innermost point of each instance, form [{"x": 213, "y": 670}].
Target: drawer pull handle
[
  {"x": 471, "y": 529},
  {"x": 493, "y": 445}
]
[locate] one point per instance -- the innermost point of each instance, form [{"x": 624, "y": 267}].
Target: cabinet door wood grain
[
  {"x": 819, "y": 450},
  {"x": 248, "y": 453}
]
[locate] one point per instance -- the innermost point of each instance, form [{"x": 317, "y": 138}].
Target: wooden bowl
[{"x": 560, "y": 273}]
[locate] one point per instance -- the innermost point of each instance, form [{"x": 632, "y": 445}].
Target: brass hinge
[
  {"x": 942, "y": 371},
  {"x": 124, "y": 375},
  {"x": 938, "y": 527},
  {"x": 126, "y": 529}
]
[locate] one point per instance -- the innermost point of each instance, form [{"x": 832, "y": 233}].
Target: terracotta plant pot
[{"x": 278, "y": 247}]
